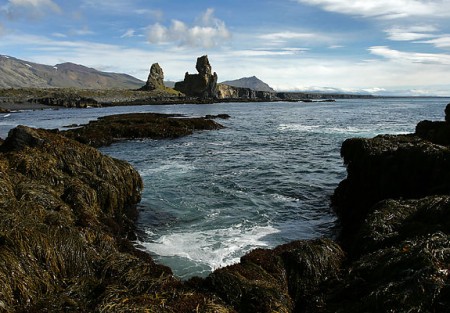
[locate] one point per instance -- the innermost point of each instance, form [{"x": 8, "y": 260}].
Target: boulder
[
  {"x": 155, "y": 79},
  {"x": 202, "y": 85}
]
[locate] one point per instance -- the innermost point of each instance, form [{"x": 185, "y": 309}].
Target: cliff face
[{"x": 203, "y": 84}]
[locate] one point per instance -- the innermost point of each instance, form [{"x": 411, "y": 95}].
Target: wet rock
[
  {"x": 67, "y": 211},
  {"x": 404, "y": 248},
  {"x": 203, "y": 84},
  {"x": 2, "y": 110},
  {"x": 221, "y": 116},
  {"x": 288, "y": 278},
  {"x": 155, "y": 79},
  {"x": 109, "y": 129}
]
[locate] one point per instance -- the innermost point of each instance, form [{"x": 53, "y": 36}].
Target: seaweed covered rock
[
  {"x": 203, "y": 84},
  {"x": 289, "y": 278},
  {"x": 385, "y": 167},
  {"x": 106, "y": 130},
  {"x": 66, "y": 213},
  {"x": 405, "y": 254},
  {"x": 67, "y": 101}
]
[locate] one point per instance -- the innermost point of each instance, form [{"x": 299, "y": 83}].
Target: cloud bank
[
  {"x": 207, "y": 32},
  {"x": 387, "y": 9}
]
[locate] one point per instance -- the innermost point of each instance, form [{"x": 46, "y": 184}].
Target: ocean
[{"x": 264, "y": 180}]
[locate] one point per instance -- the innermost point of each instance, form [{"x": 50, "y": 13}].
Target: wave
[{"x": 211, "y": 248}]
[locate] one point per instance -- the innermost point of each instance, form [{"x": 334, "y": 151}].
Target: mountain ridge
[
  {"x": 17, "y": 73},
  {"x": 252, "y": 82}
]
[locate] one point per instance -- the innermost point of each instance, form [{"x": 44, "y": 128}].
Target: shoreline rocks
[
  {"x": 108, "y": 129},
  {"x": 68, "y": 211}
]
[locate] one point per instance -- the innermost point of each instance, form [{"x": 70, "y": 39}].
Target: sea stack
[
  {"x": 203, "y": 84},
  {"x": 155, "y": 79}
]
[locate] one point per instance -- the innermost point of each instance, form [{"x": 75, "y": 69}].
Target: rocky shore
[
  {"x": 108, "y": 129},
  {"x": 67, "y": 221}
]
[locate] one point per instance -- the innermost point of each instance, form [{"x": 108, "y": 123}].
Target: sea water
[{"x": 264, "y": 180}]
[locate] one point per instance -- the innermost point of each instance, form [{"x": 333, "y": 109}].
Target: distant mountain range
[
  {"x": 249, "y": 82},
  {"x": 16, "y": 73}
]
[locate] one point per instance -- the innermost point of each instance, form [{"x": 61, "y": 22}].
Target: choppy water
[{"x": 262, "y": 181}]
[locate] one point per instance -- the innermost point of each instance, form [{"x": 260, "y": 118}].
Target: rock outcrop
[
  {"x": 202, "y": 85},
  {"x": 155, "y": 79},
  {"x": 392, "y": 167},
  {"x": 394, "y": 208},
  {"x": 109, "y": 129},
  {"x": 66, "y": 101}
]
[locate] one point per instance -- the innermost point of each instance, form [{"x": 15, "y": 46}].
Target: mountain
[
  {"x": 249, "y": 82},
  {"x": 16, "y": 73}
]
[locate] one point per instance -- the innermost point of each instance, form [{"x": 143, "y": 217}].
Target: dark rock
[
  {"x": 109, "y": 129},
  {"x": 386, "y": 167},
  {"x": 2, "y": 110},
  {"x": 404, "y": 247},
  {"x": 203, "y": 84},
  {"x": 221, "y": 116},
  {"x": 436, "y": 132},
  {"x": 68, "y": 102},
  {"x": 288, "y": 278},
  {"x": 155, "y": 78},
  {"x": 447, "y": 113}
]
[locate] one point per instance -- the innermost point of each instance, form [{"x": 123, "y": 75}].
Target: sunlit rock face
[{"x": 155, "y": 78}]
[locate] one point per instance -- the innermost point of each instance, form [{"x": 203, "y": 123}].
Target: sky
[{"x": 390, "y": 47}]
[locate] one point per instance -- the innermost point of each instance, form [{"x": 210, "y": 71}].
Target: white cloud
[
  {"x": 288, "y": 35},
  {"x": 442, "y": 42},
  {"x": 411, "y": 57},
  {"x": 387, "y": 9},
  {"x": 154, "y": 14},
  {"x": 411, "y": 33},
  {"x": 59, "y": 35},
  {"x": 29, "y": 8},
  {"x": 129, "y": 33},
  {"x": 208, "y": 32},
  {"x": 82, "y": 31}
]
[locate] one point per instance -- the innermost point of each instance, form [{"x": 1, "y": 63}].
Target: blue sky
[{"x": 376, "y": 46}]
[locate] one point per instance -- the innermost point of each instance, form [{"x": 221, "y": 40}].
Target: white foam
[
  {"x": 213, "y": 248},
  {"x": 169, "y": 168},
  {"x": 298, "y": 127}
]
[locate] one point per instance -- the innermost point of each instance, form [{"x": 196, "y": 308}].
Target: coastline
[{"x": 398, "y": 263}]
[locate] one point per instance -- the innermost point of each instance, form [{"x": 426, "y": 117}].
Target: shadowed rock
[{"x": 203, "y": 84}]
